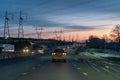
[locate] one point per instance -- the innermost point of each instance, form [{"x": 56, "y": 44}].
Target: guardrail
[{"x": 6, "y": 56}]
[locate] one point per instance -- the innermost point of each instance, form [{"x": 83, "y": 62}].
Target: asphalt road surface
[{"x": 42, "y": 68}]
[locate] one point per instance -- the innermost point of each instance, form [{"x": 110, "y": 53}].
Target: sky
[{"x": 76, "y": 19}]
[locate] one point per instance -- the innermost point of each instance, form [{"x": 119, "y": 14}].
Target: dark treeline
[
  {"x": 95, "y": 42},
  {"x": 98, "y": 43},
  {"x": 105, "y": 43}
]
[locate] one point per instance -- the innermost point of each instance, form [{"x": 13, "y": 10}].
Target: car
[
  {"x": 59, "y": 55},
  {"x": 40, "y": 50}
]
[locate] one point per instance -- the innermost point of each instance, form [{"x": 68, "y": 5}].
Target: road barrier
[{"x": 5, "y": 56}]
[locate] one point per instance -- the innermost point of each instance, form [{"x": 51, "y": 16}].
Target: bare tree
[
  {"x": 105, "y": 37},
  {"x": 116, "y": 33}
]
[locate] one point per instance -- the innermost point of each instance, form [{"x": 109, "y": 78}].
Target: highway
[{"x": 76, "y": 68}]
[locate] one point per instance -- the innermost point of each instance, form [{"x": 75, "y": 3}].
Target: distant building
[{"x": 6, "y": 48}]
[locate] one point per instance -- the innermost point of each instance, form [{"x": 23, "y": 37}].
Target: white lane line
[
  {"x": 105, "y": 62},
  {"x": 106, "y": 70},
  {"x": 84, "y": 73},
  {"x": 107, "y": 67},
  {"x": 113, "y": 74},
  {"x": 93, "y": 66},
  {"x": 25, "y": 73},
  {"x": 115, "y": 69},
  {"x": 110, "y": 67}
]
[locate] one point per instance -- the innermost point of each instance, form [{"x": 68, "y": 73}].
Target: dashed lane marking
[
  {"x": 84, "y": 73},
  {"x": 25, "y": 73}
]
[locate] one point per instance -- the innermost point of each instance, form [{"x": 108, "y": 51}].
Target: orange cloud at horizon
[{"x": 79, "y": 35}]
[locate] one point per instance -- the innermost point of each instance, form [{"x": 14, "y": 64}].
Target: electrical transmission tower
[
  {"x": 20, "y": 28},
  {"x": 39, "y": 32},
  {"x": 6, "y": 26},
  {"x": 58, "y": 34}
]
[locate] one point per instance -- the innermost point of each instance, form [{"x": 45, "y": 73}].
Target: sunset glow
[{"x": 77, "y": 19}]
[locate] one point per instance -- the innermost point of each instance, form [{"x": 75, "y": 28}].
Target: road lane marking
[
  {"x": 107, "y": 67},
  {"x": 106, "y": 70},
  {"x": 117, "y": 76},
  {"x": 25, "y": 73},
  {"x": 93, "y": 66},
  {"x": 84, "y": 73},
  {"x": 107, "y": 62}
]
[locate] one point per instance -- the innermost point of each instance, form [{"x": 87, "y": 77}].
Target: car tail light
[
  {"x": 53, "y": 53},
  {"x": 64, "y": 54}
]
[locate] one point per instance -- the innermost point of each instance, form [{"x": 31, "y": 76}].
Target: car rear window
[{"x": 58, "y": 50}]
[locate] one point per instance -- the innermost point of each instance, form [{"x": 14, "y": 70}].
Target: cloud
[
  {"x": 79, "y": 28},
  {"x": 43, "y": 23},
  {"x": 68, "y": 13}
]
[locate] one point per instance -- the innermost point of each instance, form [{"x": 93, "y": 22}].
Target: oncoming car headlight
[{"x": 25, "y": 50}]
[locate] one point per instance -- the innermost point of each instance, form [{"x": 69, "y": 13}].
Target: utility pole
[
  {"x": 20, "y": 28},
  {"x": 6, "y": 26}
]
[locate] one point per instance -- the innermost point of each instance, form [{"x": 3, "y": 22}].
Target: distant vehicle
[
  {"x": 26, "y": 50},
  {"x": 59, "y": 55},
  {"x": 40, "y": 50}
]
